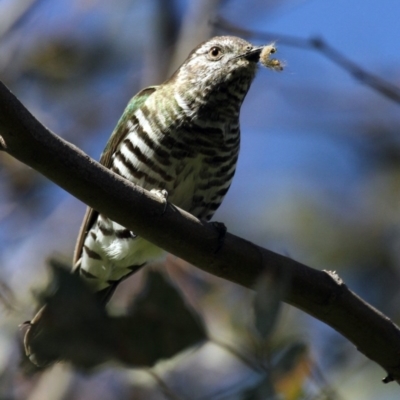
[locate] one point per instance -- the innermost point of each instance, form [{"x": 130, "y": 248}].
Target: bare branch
[
  {"x": 13, "y": 15},
  {"x": 378, "y": 84},
  {"x": 321, "y": 294}
]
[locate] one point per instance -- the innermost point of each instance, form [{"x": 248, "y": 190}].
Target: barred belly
[{"x": 195, "y": 181}]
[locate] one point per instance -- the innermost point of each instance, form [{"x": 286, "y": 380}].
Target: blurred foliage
[
  {"x": 72, "y": 325},
  {"x": 318, "y": 179}
]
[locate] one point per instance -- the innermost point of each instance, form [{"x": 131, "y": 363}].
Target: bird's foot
[
  {"x": 221, "y": 230},
  {"x": 162, "y": 194}
]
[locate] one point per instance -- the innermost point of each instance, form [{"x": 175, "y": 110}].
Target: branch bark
[{"x": 319, "y": 293}]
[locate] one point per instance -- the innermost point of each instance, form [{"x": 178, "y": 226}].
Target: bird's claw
[
  {"x": 162, "y": 194},
  {"x": 389, "y": 378},
  {"x": 221, "y": 229}
]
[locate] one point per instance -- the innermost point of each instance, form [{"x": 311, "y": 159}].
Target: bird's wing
[{"x": 117, "y": 136}]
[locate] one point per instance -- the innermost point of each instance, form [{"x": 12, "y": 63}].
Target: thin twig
[
  {"x": 169, "y": 394},
  {"x": 378, "y": 84},
  {"x": 11, "y": 17}
]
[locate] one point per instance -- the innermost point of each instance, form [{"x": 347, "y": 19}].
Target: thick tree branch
[{"x": 318, "y": 293}]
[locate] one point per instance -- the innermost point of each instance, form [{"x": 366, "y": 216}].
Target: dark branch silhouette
[
  {"x": 319, "y": 293},
  {"x": 383, "y": 87}
]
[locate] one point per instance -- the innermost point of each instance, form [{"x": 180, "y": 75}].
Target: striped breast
[
  {"x": 191, "y": 155},
  {"x": 194, "y": 160}
]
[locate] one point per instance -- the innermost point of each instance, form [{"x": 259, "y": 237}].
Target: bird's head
[{"x": 221, "y": 65}]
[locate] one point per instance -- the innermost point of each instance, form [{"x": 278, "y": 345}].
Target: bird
[{"x": 180, "y": 140}]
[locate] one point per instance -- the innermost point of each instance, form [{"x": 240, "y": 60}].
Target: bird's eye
[{"x": 215, "y": 53}]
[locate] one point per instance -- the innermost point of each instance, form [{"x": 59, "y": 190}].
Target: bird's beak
[{"x": 253, "y": 55}]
